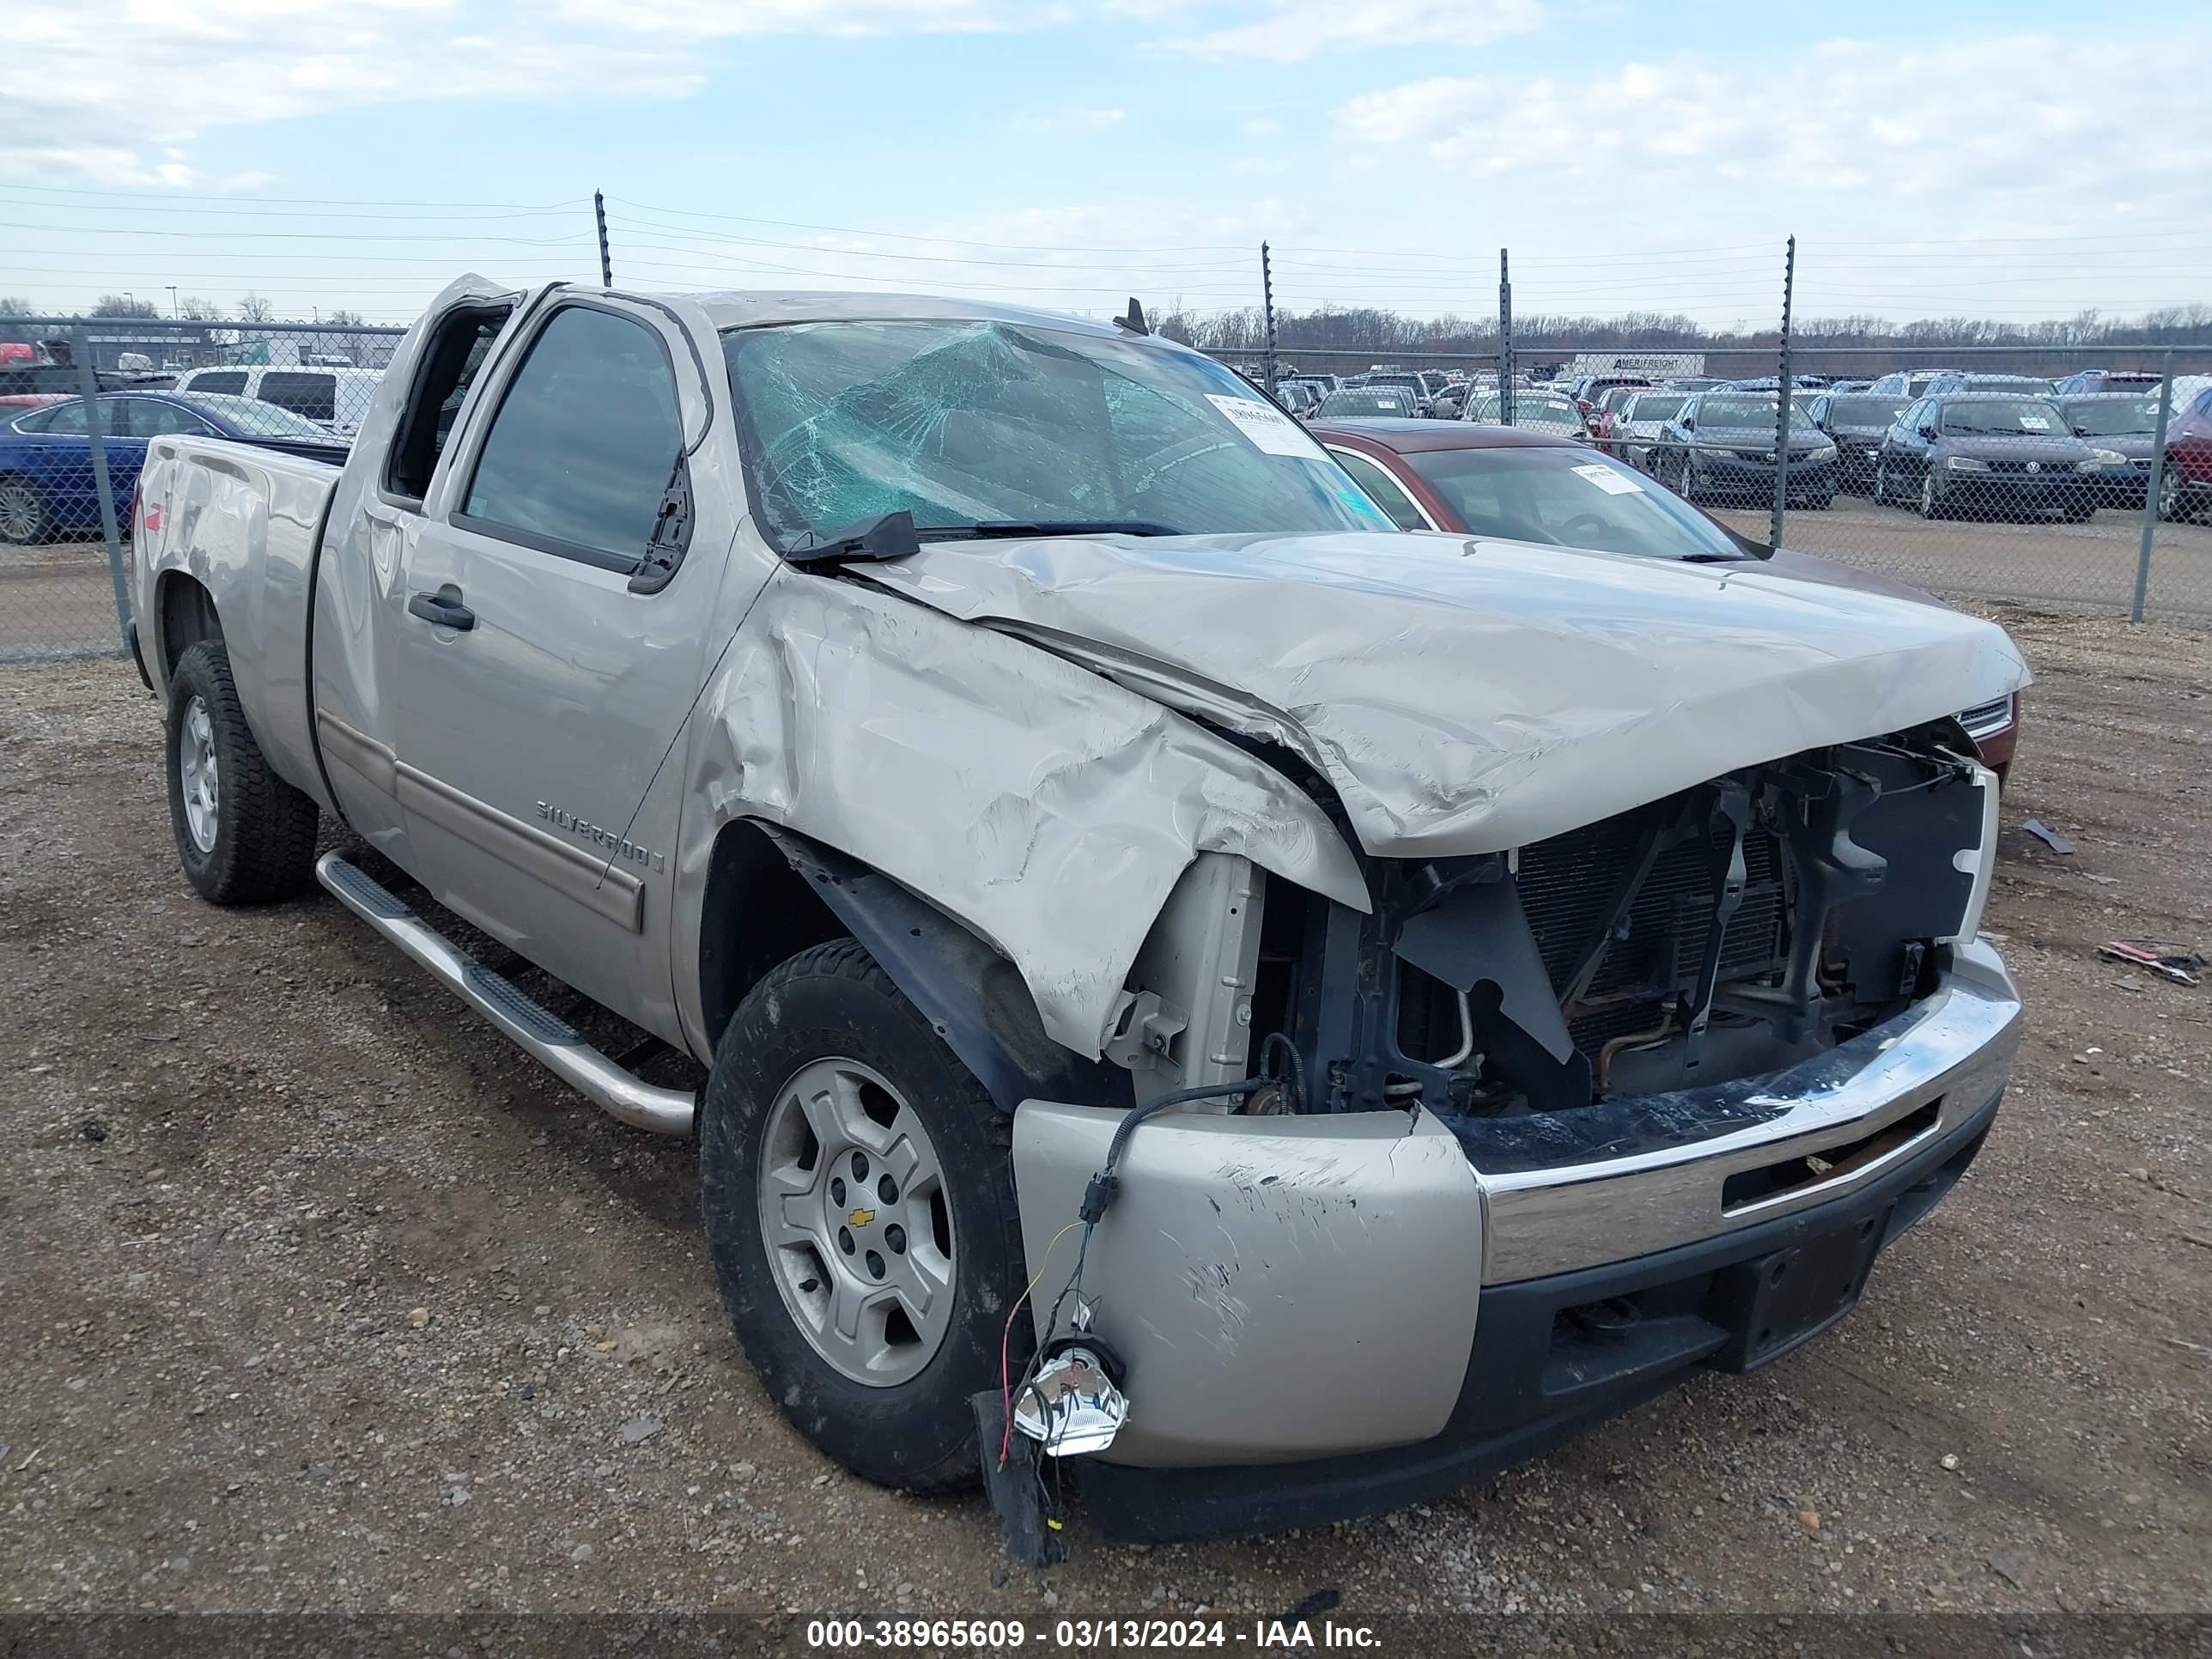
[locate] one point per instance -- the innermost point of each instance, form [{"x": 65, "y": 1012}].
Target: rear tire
[
  {"x": 830, "y": 1013},
  {"x": 243, "y": 835},
  {"x": 25, "y": 519}
]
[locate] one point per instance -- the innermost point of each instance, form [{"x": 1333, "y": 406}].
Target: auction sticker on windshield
[
  {"x": 1611, "y": 480},
  {"x": 1267, "y": 426}
]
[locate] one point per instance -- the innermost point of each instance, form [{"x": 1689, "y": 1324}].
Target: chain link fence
[
  {"x": 2076, "y": 476},
  {"x": 80, "y": 397},
  {"x": 2082, "y": 476}
]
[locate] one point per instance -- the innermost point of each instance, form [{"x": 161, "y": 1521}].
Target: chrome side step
[{"x": 550, "y": 1041}]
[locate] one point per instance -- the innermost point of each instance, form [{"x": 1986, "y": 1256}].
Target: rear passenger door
[{"x": 544, "y": 667}]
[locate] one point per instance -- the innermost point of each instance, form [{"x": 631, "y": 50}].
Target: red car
[
  {"x": 1606, "y": 411},
  {"x": 1532, "y": 487},
  {"x": 2184, "y": 488}
]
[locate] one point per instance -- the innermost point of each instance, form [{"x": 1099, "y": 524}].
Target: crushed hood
[{"x": 1464, "y": 695}]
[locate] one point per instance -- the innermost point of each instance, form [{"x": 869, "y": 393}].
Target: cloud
[
  {"x": 2000, "y": 115},
  {"x": 147, "y": 80},
  {"x": 1263, "y": 127},
  {"x": 1287, "y": 31}
]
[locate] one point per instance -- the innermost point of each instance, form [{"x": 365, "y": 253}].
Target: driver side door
[{"x": 545, "y": 668}]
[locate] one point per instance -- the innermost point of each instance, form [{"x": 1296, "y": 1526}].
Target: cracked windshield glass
[{"x": 964, "y": 423}]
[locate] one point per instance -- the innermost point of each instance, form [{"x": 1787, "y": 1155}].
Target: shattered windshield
[{"x": 962, "y": 422}]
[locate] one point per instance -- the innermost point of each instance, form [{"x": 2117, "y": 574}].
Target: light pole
[{"x": 174, "y": 311}]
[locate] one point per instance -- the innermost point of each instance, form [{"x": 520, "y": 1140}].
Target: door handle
[{"x": 444, "y": 608}]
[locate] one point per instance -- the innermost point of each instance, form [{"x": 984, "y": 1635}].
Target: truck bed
[{"x": 244, "y": 520}]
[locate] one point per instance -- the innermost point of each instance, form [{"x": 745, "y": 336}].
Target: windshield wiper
[
  {"x": 995, "y": 528},
  {"x": 873, "y": 541},
  {"x": 895, "y": 535}
]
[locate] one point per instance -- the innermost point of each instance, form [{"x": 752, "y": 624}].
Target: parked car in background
[
  {"x": 46, "y": 477},
  {"x": 2107, "y": 380},
  {"x": 1856, "y": 422},
  {"x": 335, "y": 399},
  {"x": 1637, "y": 425},
  {"x": 2184, "y": 489},
  {"x": 1300, "y": 397},
  {"x": 1407, "y": 381},
  {"x": 1591, "y": 388},
  {"x": 1849, "y": 386},
  {"x": 2124, "y": 422},
  {"x": 1534, "y": 411},
  {"x": 1987, "y": 457},
  {"x": 1603, "y": 411},
  {"x": 1692, "y": 383},
  {"x": 1909, "y": 382},
  {"x": 2016, "y": 385},
  {"x": 1450, "y": 398},
  {"x": 1723, "y": 444},
  {"x": 1530, "y": 487},
  {"x": 1356, "y": 400}
]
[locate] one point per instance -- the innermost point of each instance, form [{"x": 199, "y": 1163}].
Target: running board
[{"x": 550, "y": 1041}]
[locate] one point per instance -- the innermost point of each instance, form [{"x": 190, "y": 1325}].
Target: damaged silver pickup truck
[{"x": 1395, "y": 997}]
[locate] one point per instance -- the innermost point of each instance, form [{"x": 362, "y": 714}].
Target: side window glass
[
  {"x": 145, "y": 418},
  {"x": 69, "y": 418},
  {"x": 1382, "y": 489},
  {"x": 315, "y": 396},
  {"x": 580, "y": 455},
  {"x": 231, "y": 382},
  {"x": 451, "y": 362}
]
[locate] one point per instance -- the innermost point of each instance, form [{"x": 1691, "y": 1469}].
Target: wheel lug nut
[
  {"x": 875, "y": 1265},
  {"x": 845, "y": 1240},
  {"x": 836, "y": 1190},
  {"x": 895, "y": 1236},
  {"x": 887, "y": 1190},
  {"x": 860, "y": 1166}
]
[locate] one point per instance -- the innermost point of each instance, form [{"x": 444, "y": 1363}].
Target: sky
[{"x": 2017, "y": 161}]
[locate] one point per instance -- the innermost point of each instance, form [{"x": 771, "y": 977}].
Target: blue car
[{"x": 46, "y": 460}]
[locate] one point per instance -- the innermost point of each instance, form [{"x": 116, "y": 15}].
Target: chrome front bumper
[{"x": 1956, "y": 1053}]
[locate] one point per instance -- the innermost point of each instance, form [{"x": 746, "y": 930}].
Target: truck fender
[{"x": 973, "y": 997}]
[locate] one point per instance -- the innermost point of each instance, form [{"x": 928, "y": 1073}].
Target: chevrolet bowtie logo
[{"x": 860, "y": 1217}]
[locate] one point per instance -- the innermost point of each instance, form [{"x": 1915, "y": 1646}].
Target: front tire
[
  {"x": 2173, "y": 503},
  {"x": 1931, "y": 503},
  {"x": 243, "y": 835},
  {"x": 857, "y": 1186}
]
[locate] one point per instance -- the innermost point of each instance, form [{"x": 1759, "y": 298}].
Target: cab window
[
  {"x": 451, "y": 362},
  {"x": 579, "y": 456}
]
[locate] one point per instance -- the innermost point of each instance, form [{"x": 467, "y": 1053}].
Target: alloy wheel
[
  {"x": 197, "y": 770},
  {"x": 855, "y": 1220}
]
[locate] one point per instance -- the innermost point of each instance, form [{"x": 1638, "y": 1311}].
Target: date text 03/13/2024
[{"x": 1258, "y": 1635}]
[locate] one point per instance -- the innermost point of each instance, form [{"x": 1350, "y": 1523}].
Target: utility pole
[
  {"x": 1781, "y": 405},
  {"x": 174, "y": 311},
  {"x": 1268, "y": 306},
  {"x": 1504, "y": 341},
  {"x": 607, "y": 264}
]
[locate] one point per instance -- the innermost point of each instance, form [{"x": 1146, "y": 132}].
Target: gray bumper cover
[{"x": 1284, "y": 1289}]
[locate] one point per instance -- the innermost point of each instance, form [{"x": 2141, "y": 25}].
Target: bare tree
[
  {"x": 198, "y": 310},
  {"x": 14, "y": 305},
  {"x": 122, "y": 305},
  {"x": 345, "y": 319},
  {"x": 254, "y": 308}
]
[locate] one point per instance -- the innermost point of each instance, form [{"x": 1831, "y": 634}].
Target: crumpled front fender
[{"x": 1044, "y": 806}]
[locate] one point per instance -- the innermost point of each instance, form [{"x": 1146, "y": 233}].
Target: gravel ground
[{"x": 318, "y": 1296}]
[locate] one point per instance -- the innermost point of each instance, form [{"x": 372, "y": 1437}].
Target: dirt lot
[{"x": 317, "y": 1296}]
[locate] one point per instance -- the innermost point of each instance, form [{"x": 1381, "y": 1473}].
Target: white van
[{"x": 333, "y": 398}]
